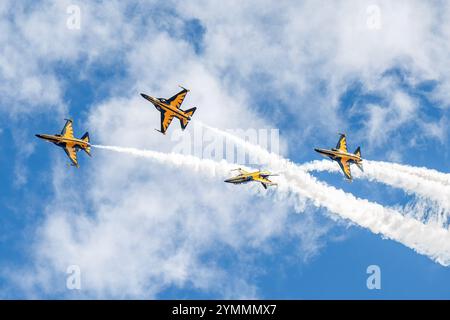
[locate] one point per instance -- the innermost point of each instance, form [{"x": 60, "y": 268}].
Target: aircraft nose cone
[
  {"x": 39, "y": 135},
  {"x": 147, "y": 97},
  {"x": 227, "y": 180}
]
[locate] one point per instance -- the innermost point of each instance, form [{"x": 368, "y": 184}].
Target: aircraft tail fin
[
  {"x": 359, "y": 164},
  {"x": 358, "y": 152},
  {"x": 184, "y": 122},
  {"x": 190, "y": 112},
  {"x": 85, "y": 138}
]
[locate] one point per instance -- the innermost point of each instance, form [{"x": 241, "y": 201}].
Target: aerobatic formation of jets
[{"x": 171, "y": 108}]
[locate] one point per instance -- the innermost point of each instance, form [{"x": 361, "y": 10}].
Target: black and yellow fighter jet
[
  {"x": 343, "y": 157},
  {"x": 257, "y": 176},
  {"x": 68, "y": 142},
  {"x": 170, "y": 108}
]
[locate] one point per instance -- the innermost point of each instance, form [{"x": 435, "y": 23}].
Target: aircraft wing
[
  {"x": 72, "y": 154},
  {"x": 264, "y": 180},
  {"x": 345, "y": 166},
  {"x": 342, "y": 143},
  {"x": 166, "y": 119},
  {"x": 177, "y": 99},
  {"x": 67, "y": 131},
  {"x": 261, "y": 179}
]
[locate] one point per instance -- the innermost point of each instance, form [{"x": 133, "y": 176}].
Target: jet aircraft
[
  {"x": 343, "y": 157},
  {"x": 68, "y": 142},
  {"x": 170, "y": 108},
  {"x": 257, "y": 176}
]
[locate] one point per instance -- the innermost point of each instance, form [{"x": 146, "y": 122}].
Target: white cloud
[
  {"x": 135, "y": 240},
  {"x": 308, "y": 52},
  {"x": 140, "y": 240},
  {"x": 383, "y": 121},
  {"x": 437, "y": 130}
]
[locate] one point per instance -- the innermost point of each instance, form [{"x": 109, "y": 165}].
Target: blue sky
[{"x": 111, "y": 215}]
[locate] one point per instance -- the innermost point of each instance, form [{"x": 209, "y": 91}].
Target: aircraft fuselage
[
  {"x": 244, "y": 178},
  {"x": 257, "y": 176},
  {"x": 239, "y": 179},
  {"x": 335, "y": 154},
  {"x": 161, "y": 106},
  {"x": 63, "y": 141}
]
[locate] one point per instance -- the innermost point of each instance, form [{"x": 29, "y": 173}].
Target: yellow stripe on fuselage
[
  {"x": 68, "y": 141},
  {"x": 339, "y": 154},
  {"x": 74, "y": 141},
  {"x": 168, "y": 107},
  {"x": 349, "y": 156}
]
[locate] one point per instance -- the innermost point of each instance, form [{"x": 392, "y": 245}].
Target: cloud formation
[{"x": 255, "y": 65}]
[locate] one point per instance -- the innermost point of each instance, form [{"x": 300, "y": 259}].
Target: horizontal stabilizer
[
  {"x": 360, "y": 166},
  {"x": 184, "y": 121},
  {"x": 190, "y": 112}
]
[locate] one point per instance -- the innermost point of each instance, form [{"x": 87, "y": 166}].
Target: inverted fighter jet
[
  {"x": 343, "y": 157},
  {"x": 170, "y": 108},
  {"x": 68, "y": 142},
  {"x": 257, "y": 176}
]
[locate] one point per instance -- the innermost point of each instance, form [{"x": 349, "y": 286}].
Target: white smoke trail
[
  {"x": 393, "y": 168},
  {"x": 209, "y": 167},
  {"x": 264, "y": 156},
  {"x": 391, "y": 174},
  {"x": 427, "y": 183},
  {"x": 428, "y": 240},
  {"x": 427, "y": 211},
  {"x": 279, "y": 163},
  {"x": 422, "y": 172}
]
